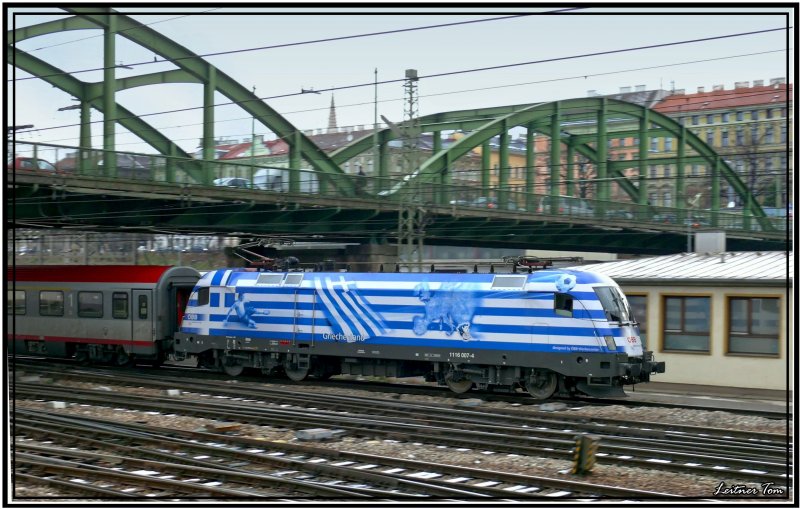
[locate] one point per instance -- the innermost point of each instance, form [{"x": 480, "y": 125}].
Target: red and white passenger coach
[{"x": 108, "y": 313}]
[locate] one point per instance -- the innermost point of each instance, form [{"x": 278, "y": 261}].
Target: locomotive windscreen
[{"x": 613, "y": 304}]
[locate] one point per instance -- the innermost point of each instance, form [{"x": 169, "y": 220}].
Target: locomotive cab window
[
  {"x": 90, "y": 304},
  {"x": 203, "y": 296},
  {"x": 16, "y": 302},
  {"x": 51, "y": 303},
  {"x": 119, "y": 305},
  {"x": 563, "y": 304}
]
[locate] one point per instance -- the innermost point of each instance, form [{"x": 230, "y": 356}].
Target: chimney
[
  {"x": 758, "y": 83},
  {"x": 777, "y": 81},
  {"x": 701, "y": 90},
  {"x": 679, "y": 91},
  {"x": 640, "y": 88},
  {"x": 741, "y": 84},
  {"x": 624, "y": 90},
  {"x": 718, "y": 87}
]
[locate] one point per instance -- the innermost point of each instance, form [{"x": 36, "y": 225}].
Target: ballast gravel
[{"x": 687, "y": 485}]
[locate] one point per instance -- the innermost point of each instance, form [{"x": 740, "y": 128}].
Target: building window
[
  {"x": 16, "y": 302},
  {"x": 739, "y": 116},
  {"x": 119, "y": 305},
  {"x": 710, "y": 137},
  {"x": 753, "y": 325},
  {"x": 667, "y": 171},
  {"x": 754, "y": 134},
  {"x": 668, "y": 199},
  {"x": 51, "y": 303},
  {"x": 695, "y": 170},
  {"x": 695, "y": 119},
  {"x": 652, "y": 171},
  {"x": 739, "y": 137},
  {"x": 687, "y": 323},
  {"x": 754, "y": 115},
  {"x": 638, "y": 305},
  {"x": 709, "y": 119},
  {"x": 90, "y": 304},
  {"x": 654, "y": 145},
  {"x": 769, "y": 135},
  {"x": 783, "y": 133},
  {"x": 667, "y": 144},
  {"x": 726, "y": 117},
  {"x": 768, "y": 113},
  {"x": 724, "y": 138}
]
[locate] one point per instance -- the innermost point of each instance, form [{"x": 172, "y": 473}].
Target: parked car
[
  {"x": 30, "y": 164},
  {"x": 492, "y": 203},
  {"x": 276, "y": 179},
  {"x": 233, "y": 182},
  {"x": 567, "y": 205}
]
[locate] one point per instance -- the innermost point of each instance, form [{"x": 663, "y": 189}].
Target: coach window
[
  {"x": 119, "y": 305},
  {"x": 90, "y": 304},
  {"x": 16, "y": 302},
  {"x": 638, "y": 305},
  {"x": 686, "y": 323},
  {"x": 51, "y": 303},
  {"x": 142, "y": 307},
  {"x": 753, "y": 324}
]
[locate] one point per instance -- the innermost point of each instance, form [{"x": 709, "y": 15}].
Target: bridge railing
[{"x": 139, "y": 167}]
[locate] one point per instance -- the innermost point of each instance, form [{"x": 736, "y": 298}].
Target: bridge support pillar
[{"x": 109, "y": 97}]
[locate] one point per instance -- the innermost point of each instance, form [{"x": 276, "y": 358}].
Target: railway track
[
  {"x": 187, "y": 463},
  {"x": 423, "y": 390},
  {"x": 743, "y": 455}
]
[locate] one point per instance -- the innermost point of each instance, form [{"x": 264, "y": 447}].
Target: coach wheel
[
  {"x": 82, "y": 357},
  {"x": 122, "y": 358},
  {"x": 231, "y": 365},
  {"x": 457, "y": 386},
  {"x": 542, "y": 385}
]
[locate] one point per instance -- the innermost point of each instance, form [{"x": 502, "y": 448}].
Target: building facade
[{"x": 721, "y": 319}]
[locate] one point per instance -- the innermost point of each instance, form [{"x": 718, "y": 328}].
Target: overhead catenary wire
[
  {"x": 717, "y": 97},
  {"x": 291, "y": 44},
  {"x": 442, "y": 74}
]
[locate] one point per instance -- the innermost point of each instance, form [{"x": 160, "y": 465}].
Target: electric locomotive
[{"x": 552, "y": 331}]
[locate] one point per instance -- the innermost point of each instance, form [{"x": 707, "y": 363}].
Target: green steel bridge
[{"x": 170, "y": 191}]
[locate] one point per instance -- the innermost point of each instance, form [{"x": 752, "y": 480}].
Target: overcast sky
[{"x": 325, "y": 65}]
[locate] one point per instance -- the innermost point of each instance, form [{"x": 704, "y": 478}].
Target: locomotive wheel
[
  {"x": 294, "y": 373},
  {"x": 542, "y": 386},
  {"x": 460, "y": 386},
  {"x": 231, "y": 365}
]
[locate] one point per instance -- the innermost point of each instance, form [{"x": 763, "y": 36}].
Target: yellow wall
[{"x": 716, "y": 367}]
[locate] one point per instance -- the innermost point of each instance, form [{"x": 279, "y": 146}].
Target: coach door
[{"x": 143, "y": 315}]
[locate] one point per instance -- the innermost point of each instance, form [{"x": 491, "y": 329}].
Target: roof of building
[
  {"x": 722, "y": 99},
  {"x": 761, "y": 266}
]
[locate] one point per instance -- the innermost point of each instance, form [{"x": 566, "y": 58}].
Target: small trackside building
[{"x": 720, "y": 319}]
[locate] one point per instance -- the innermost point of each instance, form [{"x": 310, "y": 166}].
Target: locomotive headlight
[{"x": 610, "y": 342}]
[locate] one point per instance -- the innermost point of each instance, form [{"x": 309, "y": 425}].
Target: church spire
[{"x": 332, "y": 127}]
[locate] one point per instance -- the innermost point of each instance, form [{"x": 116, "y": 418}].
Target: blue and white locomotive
[{"x": 569, "y": 331}]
